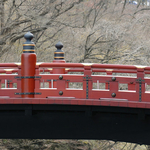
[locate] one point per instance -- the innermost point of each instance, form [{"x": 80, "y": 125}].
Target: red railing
[
  {"x": 58, "y": 85},
  {"x": 87, "y": 79}
]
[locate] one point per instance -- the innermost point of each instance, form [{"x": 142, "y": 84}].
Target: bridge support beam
[{"x": 73, "y": 122}]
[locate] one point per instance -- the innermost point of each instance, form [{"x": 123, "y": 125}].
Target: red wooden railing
[
  {"x": 50, "y": 83},
  {"x": 87, "y": 79}
]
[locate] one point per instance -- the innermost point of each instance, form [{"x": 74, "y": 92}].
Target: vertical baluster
[
  {"x": 140, "y": 84},
  {"x": 5, "y": 83},
  {"x": 37, "y": 81},
  {"x": 108, "y": 72},
  {"x": 97, "y": 84},
  {"x": 19, "y": 80},
  {"x": 87, "y": 82},
  {"x": 9, "y": 82},
  {"x": 52, "y": 83}
]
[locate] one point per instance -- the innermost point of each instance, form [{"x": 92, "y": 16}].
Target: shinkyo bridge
[{"x": 60, "y": 100}]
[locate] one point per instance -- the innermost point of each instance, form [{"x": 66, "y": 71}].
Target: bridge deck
[{"x": 73, "y": 101}]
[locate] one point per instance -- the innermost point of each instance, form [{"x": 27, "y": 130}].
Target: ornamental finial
[
  {"x": 28, "y": 36},
  {"x": 59, "y": 45},
  {"x": 59, "y": 53},
  {"x": 28, "y": 46}
]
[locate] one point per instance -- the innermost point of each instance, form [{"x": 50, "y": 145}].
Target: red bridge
[{"x": 61, "y": 100}]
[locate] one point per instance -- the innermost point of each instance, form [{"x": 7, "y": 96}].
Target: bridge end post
[
  {"x": 58, "y": 58},
  {"x": 28, "y": 64}
]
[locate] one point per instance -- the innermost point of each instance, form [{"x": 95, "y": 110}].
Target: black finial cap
[
  {"x": 28, "y": 46},
  {"x": 59, "y": 53},
  {"x": 59, "y": 45},
  {"x": 28, "y": 36}
]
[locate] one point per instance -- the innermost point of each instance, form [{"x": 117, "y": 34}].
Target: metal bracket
[
  {"x": 32, "y": 93},
  {"x": 87, "y": 85},
  {"x": 27, "y": 77},
  {"x": 8, "y": 82},
  {"x": 140, "y": 88},
  {"x": 51, "y": 80}
]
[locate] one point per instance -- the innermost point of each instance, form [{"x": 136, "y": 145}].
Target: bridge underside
[{"x": 74, "y": 122}]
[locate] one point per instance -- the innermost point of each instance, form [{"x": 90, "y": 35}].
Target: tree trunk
[{"x": 1, "y": 15}]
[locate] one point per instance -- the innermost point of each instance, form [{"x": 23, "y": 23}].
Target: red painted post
[
  {"x": 18, "y": 80},
  {"x": 28, "y": 64},
  {"x": 109, "y": 72},
  {"x": 131, "y": 86},
  {"x": 140, "y": 83},
  {"x": 37, "y": 81},
  {"x": 9, "y": 82},
  {"x": 58, "y": 58},
  {"x": 87, "y": 81}
]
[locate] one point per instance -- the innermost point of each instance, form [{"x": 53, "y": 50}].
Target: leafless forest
[
  {"x": 100, "y": 31},
  {"x": 93, "y": 31}
]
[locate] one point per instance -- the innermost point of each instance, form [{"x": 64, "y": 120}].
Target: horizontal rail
[
  {"x": 82, "y": 65},
  {"x": 8, "y": 65}
]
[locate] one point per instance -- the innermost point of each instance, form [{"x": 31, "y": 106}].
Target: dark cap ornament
[
  {"x": 59, "y": 53},
  {"x": 28, "y": 46}
]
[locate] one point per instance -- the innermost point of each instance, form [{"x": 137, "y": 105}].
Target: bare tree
[{"x": 39, "y": 17}]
